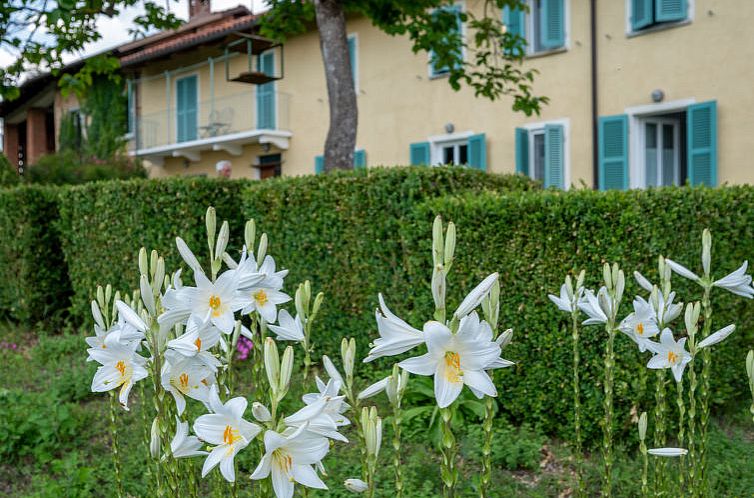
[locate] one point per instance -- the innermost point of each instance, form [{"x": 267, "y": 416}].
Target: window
[
  {"x": 453, "y": 153},
  {"x": 266, "y": 93},
  {"x": 187, "y": 104},
  {"x": 645, "y": 14},
  {"x": 542, "y": 27},
  {"x": 658, "y": 145},
  {"x": 270, "y": 166},
  {"x": 353, "y": 54},
  {"x": 541, "y": 152},
  {"x": 131, "y": 106},
  {"x": 462, "y": 149},
  {"x": 435, "y": 69}
]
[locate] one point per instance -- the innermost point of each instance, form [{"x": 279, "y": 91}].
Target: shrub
[
  {"x": 103, "y": 225},
  {"x": 534, "y": 240},
  {"x": 342, "y": 232},
  {"x": 32, "y": 269},
  {"x": 69, "y": 167},
  {"x": 8, "y": 174}
]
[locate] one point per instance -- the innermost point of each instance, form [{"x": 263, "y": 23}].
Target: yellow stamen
[
  {"x": 183, "y": 379},
  {"x": 640, "y": 329},
  {"x": 121, "y": 367},
  {"x": 672, "y": 357},
  {"x": 215, "y": 303},
  {"x": 230, "y": 435},
  {"x": 453, "y": 367},
  {"x": 198, "y": 343},
  {"x": 260, "y": 297},
  {"x": 283, "y": 460}
]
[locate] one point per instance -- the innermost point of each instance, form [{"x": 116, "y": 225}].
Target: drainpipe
[{"x": 595, "y": 113}]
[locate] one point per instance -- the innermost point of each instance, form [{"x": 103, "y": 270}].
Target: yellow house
[{"x": 642, "y": 93}]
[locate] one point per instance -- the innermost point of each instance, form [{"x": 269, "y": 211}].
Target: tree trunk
[{"x": 341, "y": 136}]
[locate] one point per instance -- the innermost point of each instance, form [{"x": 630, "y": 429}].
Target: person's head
[{"x": 223, "y": 169}]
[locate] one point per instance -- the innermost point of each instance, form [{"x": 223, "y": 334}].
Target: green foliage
[
  {"x": 534, "y": 240},
  {"x": 69, "y": 167},
  {"x": 8, "y": 174},
  {"x": 32, "y": 268},
  {"x": 342, "y": 232},
  {"x": 105, "y": 106},
  {"x": 105, "y": 223},
  {"x": 70, "y": 137},
  {"x": 514, "y": 448}
]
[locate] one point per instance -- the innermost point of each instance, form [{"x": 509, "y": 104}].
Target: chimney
[{"x": 199, "y": 8}]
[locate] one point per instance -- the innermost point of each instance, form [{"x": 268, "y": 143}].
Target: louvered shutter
[
  {"x": 554, "y": 156},
  {"x": 319, "y": 165},
  {"x": 359, "y": 159},
  {"x": 477, "y": 149},
  {"x": 670, "y": 10},
  {"x": 613, "y": 152},
  {"x": 552, "y": 24},
  {"x": 419, "y": 154},
  {"x": 642, "y": 14},
  {"x": 701, "y": 122},
  {"x": 522, "y": 151},
  {"x": 266, "y": 93}
]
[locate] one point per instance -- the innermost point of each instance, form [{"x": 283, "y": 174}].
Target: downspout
[{"x": 595, "y": 113}]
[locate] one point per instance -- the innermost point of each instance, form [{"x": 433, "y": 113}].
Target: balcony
[{"x": 219, "y": 124}]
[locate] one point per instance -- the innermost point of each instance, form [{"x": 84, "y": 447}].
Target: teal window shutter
[
  {"x": 131, "y": 96},
  {"x": 434, "y": 69},
  {"x": 522, "y": 151},
  {"x": 319, "y": 165},
  {"x": 186, "y": 95},
  {"x": 515, "y": 23},
  {"x": 670, "y": 10},
  {"x": 701, "y": 134},
  {"x": 642, "y": 14},
  {"x": 266, "y": 93},
  {"x": 359, "y": 159},
  {"x": 613, "y": 152},
  {"x": 419, "y": 154},
  {"x": 477, "y": 146},
  {"x": 352, "y": 57},
  {"x": 552, "y": 24},
  {"x": 554, "y": 156}
]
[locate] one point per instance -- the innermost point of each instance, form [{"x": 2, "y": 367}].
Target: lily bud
[
  {"x": 272, "y": 363},
  {"x": 143, "y": 267},
  {"x": 569, "y": 287},
  {"x": 211, "y": 221},
  {"x": 642, "y": 426},
  {"x": 317, "y": 304},
  {"x": 159, "y": 276},
  {"x": 438, "y": 287},
  {"x": 355, "y": 485},
  {"x": 750, "y": 365},
  {"x": 101, "y": 297},
  {"x": 146, "y": 295},
  {"x": 620, "y": 286},
  {"x": 706, "y": 250},
  {"x": 222, "y": 240},
  {"x": 286, "y": 368},
  {"x": 450, "y": 245},
  {"x": 97, "y": 314},
  {"x": 260, "y": 412},
  {"x": 154, "y": 440},
  {"x": 262, "y": 250},
  {"x": 688, "y": 318},
  {"x": 393, "y": 385},
  {"x": 108, "y": 292},
  {"x": 331, "y": 370},
  {"x": 153, "y": 261},
  {"x": 643, "y": 282},
  {"x": 250, "y": 233},
  {"x": 298, "y": 299},
  {"x": 505, "y": 338},
  {"x": 475, "y": 297},
  {"x": 580, "y": 280},
  {"x": 349, "y": 357},
  {"x": 437, "y": 243}
]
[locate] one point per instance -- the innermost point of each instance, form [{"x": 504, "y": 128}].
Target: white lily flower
[
  {"x": 183, "y": 445},
  {"x": 564, "y": 302},
  {"x": 667, "y": 311},
  {"x": 374, "y": 389},
  {"x": 396, "y": 336},
  {"x": 188, "y": 256},
  {"x": 200, "y": 336},
  {"x": 130, "y": 316},
  {"x": 592, "y": 306},
  {"x": 331, "y": 370},
  {"x": 226, "y": 429},
  {"x": 455, "y": 360},
  {"x": 247, "y": 271},
  {"x": 667, "y": 452},
  {"x": 737, "y": 282},
  {"x": 474, "y": 298},
  {"x": 355, "y": 485},
  {"x": 289, "y": 329},
  {"x": 121, "y": 367},
  {"x": 641, "y": 325},
  {"x": 323, "y": 412},
  {"x": 718, "y": 336},
  {"x": 669, "y": 354},
  {"x": 182, "y": 376},
  {"x": 643, "y": 282},
  {"x": 682, "y": 270},
  {"x": 290, "y": 458},
  {"x": 264, "y": 296}
]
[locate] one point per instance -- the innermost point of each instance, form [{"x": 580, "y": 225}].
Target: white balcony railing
[{"x": 216, "y": 118}]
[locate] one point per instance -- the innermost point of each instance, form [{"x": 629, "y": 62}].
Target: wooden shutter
[
  {"x": 701, "y": 138},
  {"x": 266, "y": 93},
  {"x": 554, "y": 156},
  {"x": 515, "y": 22},
  {"x": 670, "y": 10},
  {"x": 352, "y": 56},
  {"x": 419, "y": 154},
  {"x": 642, "y": 14},
  {"x": 359, "y": 159},
  {"x": 477, "y": 150},
  {"x": 552, "y": 24},
  {"x": 613, "y": 152},
  {"x": 186, "y": 95},
  {"x": 319, "y": 165},
  {"x": 522, "y": 151}
]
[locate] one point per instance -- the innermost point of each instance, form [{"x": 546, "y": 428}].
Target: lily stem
[{"x": 115, "y": 448}]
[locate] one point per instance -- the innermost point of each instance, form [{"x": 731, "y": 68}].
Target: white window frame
[
  {"x": 529, "y": 21},
  {"x": 660, "y": 121},
  {"x": 174, "y": 98},
  {"x": 355, "y": 37},
  {"x": 432, "y": 75},
  {"x": 540, "y": 125},
  {"x": 636, "y": 116},
  {"x": 630, "y": 33},
  {"x": 437, "y": 142}
]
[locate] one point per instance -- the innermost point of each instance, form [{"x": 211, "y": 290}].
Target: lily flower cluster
[{"x": 461, "y": 350}]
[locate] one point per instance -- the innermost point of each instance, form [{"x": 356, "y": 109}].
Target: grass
[{"x": 54, "y": 440}]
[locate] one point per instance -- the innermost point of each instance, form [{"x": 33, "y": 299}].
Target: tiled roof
[{"x": 198, "y": 30}]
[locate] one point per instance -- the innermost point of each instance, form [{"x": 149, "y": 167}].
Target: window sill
[
  {"x": 658, "y": 27},
  {"x": 438, "y": 76},
  {"x": 545, "y": 53}
]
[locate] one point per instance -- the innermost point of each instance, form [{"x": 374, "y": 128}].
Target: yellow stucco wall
[{"x": 704, "y": 59}]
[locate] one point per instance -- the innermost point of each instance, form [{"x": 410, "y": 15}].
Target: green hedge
[
  {"x": 103, "y": 225},
  {"x": 534, "y": 240},
  {"x": 32, "y": 270},
  {"x": 342, "y": 231}
]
